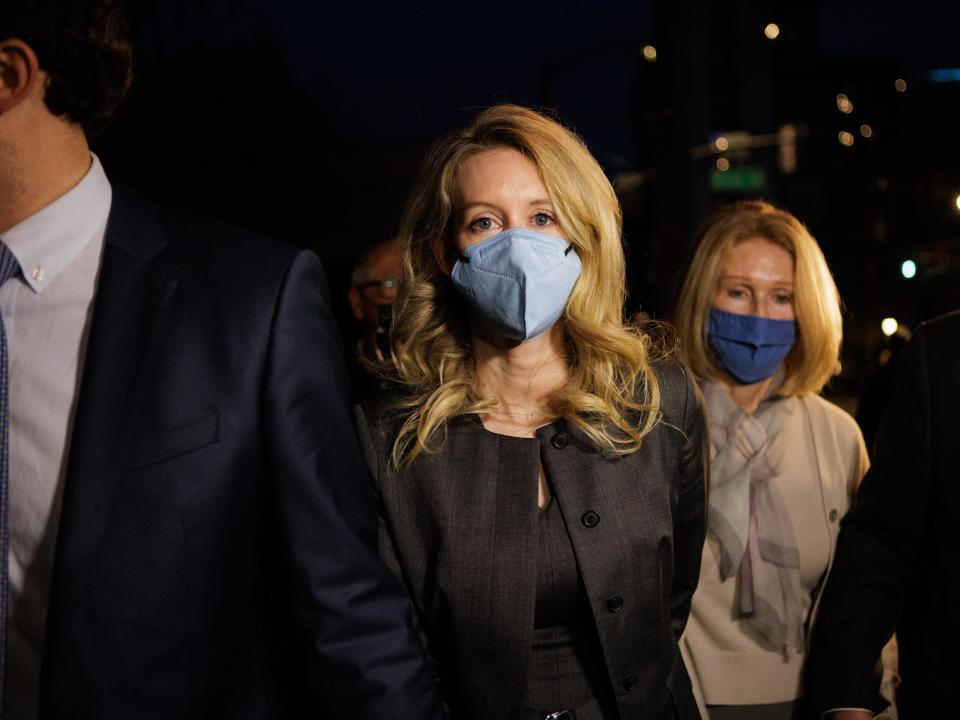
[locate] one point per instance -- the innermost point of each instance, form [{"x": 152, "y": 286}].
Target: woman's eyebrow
[
  {"x": 467, "y": 207},
  {"x": 541, "y": 201}
]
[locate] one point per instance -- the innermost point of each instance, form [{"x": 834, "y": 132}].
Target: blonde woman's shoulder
[{"x": 679, "y": 394}]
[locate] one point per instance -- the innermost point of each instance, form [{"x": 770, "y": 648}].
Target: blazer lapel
[{"x": 131, "y": 302}]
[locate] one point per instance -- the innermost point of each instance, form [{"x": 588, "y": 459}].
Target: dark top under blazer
[
  {"x": 897, "y": 563},
  {"x": 460, "y": 528},
  {"x": 217, "y": 549}
]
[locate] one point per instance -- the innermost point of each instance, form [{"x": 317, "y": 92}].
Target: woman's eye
[
  {"x": 542, "y": 219},
  {"x": 482, "y": 224},
  {"x": 783, "y": 298},
  {"x": 735, "y": 293}
]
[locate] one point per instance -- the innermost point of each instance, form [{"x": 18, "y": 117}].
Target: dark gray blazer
[{"x": 460, "y": 528}]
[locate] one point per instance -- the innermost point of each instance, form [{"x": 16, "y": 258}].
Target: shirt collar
[{"x": 48, "y": 241}]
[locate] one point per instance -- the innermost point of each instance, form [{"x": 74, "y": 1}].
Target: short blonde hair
[
  {"x": 612, "y": 393},
  {"x": 815, "y": 357}
]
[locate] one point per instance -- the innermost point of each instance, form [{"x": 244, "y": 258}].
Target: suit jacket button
[
  {"x": 614, "y": 604},
  {"x": 590, "y": 519},
  {"x": 630, "y": 684},
  {"x": 833, "y": 515},
  {"x": 560, "y": 440}
]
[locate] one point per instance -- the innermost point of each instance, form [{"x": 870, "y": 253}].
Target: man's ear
[
  {"x": 356, "y": 302},
  {"x": 19, "y": 73}
]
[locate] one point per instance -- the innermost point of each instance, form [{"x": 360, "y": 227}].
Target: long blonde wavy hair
[
  {"x": 611, "y": 393},
  {"x": 815, "y": 357}
]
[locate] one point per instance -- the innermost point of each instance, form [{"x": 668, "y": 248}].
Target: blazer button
[
  {"x": 590, "y": 519},
  {"x": 614, "y": 604},
  {"x": 630, "y": 684},
  {"x": 833, "y": 515},
  {"x": 560, "y": 440}
]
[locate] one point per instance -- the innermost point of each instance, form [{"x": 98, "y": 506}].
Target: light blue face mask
[{"x": 518, "y": 281}]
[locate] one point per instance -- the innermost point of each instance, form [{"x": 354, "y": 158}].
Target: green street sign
[{"x": 741, "y": 179}]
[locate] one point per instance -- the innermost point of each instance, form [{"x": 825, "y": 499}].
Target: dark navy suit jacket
[
  {"x": 217, "y": 550},
  {"x": 897, "y": 564}
]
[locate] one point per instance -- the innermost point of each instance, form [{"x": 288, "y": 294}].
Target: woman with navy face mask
[
  {"x": 760, "y": 326},
  {"x": 540, "y": 474}
]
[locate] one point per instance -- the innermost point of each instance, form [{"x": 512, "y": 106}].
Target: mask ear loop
[{"x": 569, "y": 248}]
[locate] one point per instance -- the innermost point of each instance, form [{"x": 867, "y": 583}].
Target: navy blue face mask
[{"x": 748, "y": 347}]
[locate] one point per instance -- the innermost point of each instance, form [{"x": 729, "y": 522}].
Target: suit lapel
[{"x": 131, "y": 301}]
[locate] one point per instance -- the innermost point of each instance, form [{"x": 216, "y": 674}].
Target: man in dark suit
[
  {"x": 188, "y": 528},
  {"x": 898, "y": 552}
]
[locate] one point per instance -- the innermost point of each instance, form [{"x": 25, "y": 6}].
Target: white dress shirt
[{"x": 46, "y": 313}]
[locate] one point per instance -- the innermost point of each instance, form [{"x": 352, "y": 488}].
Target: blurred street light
[
  {"x": 908, "y": 269},
  {"x": 866, "y": 131},
  {"x": 846, "y": 138},
  {"x": 739, "y": 141},
  {"x": 844, "y": 104},
  {"x": 787, "y": 148},
  {"x": 772, "y": 31},
  {"x": 956, "y": 201},
  {"x": 723, "y": 164},
  {"x": 900, "y": 84},
  {"x": 889, "y": 326},
  {"x": 649, "y": 53}
]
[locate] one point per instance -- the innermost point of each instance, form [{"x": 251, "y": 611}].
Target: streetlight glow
[
  {"x": 889, "y": 326},
  {"x": 900, "y": 84},
  {"x": 772, "y": 31},
  {"x": 844, "y": 104},
  {"x": 866, "y": 131},
  {"x": 723, "y": 164},
  {"x": 649, "y": 53},
  {"x": 846, "y": 138},
  {"x": 721, "y": 143},
  {"x": 908, "y": 269}
]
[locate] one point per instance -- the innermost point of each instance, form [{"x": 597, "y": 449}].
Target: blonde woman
[
  {"x": 541, "y": 480},
  {"x": 759, "y": 324}
]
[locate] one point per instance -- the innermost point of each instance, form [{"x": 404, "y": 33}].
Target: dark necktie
[{"x": 8, "y": 268}]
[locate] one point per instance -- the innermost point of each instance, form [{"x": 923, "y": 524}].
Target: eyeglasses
[{"x": 387, "y": 287}]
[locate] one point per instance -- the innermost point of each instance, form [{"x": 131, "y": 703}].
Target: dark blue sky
[
  {"x": 401, "y": 68},
  {"x": 415, "y": 69}
]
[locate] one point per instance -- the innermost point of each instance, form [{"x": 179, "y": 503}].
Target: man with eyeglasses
[{"x": 373, "y": 288}]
